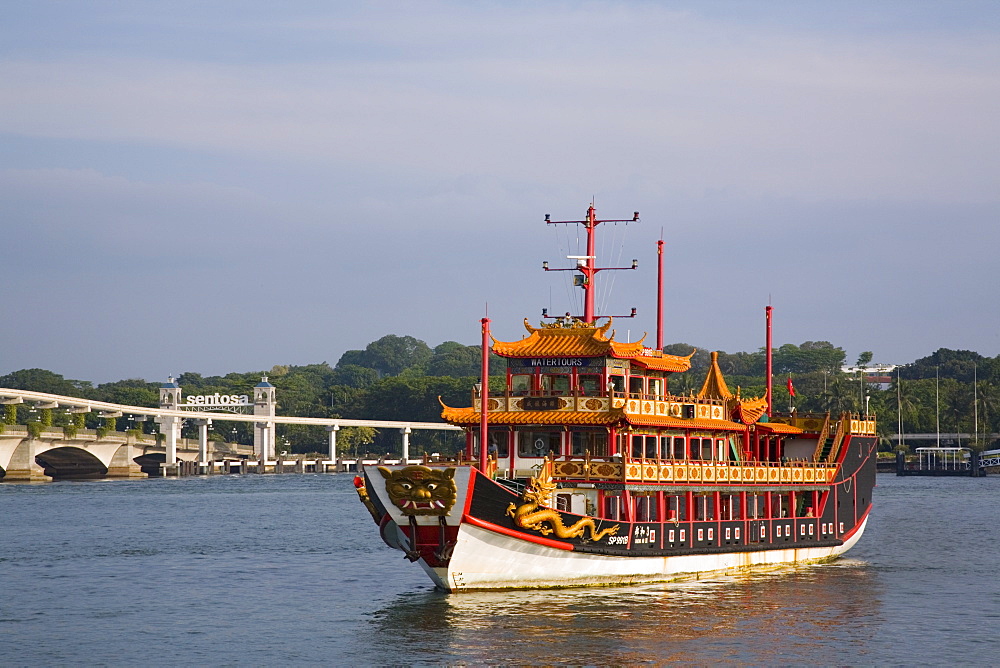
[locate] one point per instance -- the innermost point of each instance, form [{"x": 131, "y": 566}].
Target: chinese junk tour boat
[{"x": 596, "y": 473}]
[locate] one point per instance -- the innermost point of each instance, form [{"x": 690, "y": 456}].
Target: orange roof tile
[
  {"x": 662, "y": 362},
  {"x": 778, "y": 428}
]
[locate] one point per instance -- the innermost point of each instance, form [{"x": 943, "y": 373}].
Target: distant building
[{"x": 876, "y": 374}]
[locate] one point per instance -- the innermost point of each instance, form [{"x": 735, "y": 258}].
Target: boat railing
[
  {"x": 617, "y": 469},
  {"x": 855, "y": 423},
  {"x": 613, "y": 394}
]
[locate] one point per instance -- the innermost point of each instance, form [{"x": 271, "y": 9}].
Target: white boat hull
[{"x": 484, "y": 559}]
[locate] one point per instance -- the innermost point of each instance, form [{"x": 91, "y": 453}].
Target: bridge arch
[{"x": 70, "y": 462}]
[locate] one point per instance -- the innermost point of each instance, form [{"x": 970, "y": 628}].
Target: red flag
[{"x": 791, "y": 388}]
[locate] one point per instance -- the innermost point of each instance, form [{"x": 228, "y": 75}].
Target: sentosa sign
[{"x": 216, "y": 400}]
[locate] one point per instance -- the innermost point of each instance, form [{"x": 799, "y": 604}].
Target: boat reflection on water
[{"x": 804, "y": 614}]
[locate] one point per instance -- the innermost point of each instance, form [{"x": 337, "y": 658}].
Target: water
[{"x": 266, "y": 570}]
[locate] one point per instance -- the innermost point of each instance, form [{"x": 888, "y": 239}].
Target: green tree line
[{"x": 402, "y": 378}]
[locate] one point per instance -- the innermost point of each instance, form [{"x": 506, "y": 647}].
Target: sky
[{"x": 229, "y": 186}]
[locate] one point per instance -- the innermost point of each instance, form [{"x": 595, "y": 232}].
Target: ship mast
[{"x": 587, "y": 264}]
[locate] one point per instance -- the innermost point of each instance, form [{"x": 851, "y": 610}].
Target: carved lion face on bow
[{"x": 421, "y": 490}]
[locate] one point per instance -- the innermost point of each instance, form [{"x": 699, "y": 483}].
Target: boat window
[
  {"x": 594, "y": 440},
  {"x": 755, "y": 506},
  {"x": 646, "y": 507},
  {"x": 556, "y": 384},
  {"x": 636, "y": 451},
  {"x": 677, "y": 507},
  {"x": 694, "y": 448},
  {"x": 729, "y": 507},
  {"x": 651, "y": 450},
  {"x": 804, "y": 504},
  {"x": 589, "y": 384},
  {"x": 704, "y": 507},
  {"x": 537, "y": 443},
  {"x": 780, "y": 504},
  {"x": 706, "y": 449},
  {"x": 613, "y": 507},
  {"x": 498, "y": 442},
  {"x": 656, "y": 387},
  {"x": 520, "y": 385},
  {"x": 635, "y": 386},
  {"x": 678, "y": 447},
  {"x": 617, "y": 385},
  {"x": 499, "y": 445},
  {"x": 720, "y": 450}
]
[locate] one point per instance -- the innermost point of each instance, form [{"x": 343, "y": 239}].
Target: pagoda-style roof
[
  {"x": 574, "y": 338},
  {"x": 715, "y": 386}
]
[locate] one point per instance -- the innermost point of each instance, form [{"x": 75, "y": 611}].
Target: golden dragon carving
[{"x": 532, "y": 514}]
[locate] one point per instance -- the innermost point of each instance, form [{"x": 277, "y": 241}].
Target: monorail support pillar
[
  {"x": 203, "y": 425},
  {"x": 332, "y": 432},
  {"x": 405, "y": 431}
]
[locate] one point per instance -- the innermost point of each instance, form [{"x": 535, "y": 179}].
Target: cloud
[
  {"x": 697, "y": 103},
  {"x": 349, "y": 170}
]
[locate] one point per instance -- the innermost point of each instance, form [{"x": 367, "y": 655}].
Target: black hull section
[{"x": 841, "y": 513}]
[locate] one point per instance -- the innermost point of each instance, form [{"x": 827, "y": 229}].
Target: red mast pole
[
  {"x": 588, "y": 269},
  {"x": 659, "y": 296},
  {"x": 587, "y": 264},
  {"x": 767, "y": 317},
  {"x": 484, "y": 394}
]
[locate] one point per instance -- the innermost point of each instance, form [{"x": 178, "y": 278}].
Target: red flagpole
[
  {"x": 659, "y": 297},
  {"x": 484, "y": 394},
  {"x": 767, "y": 317}
]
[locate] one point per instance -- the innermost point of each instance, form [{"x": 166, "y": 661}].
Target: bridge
[
  {"x": 989, "y": 458},
  {"x": 25, "y": 456},
  {"x": 943, "y": 437}
]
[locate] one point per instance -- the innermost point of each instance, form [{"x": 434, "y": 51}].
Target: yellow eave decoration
[
  {"x": 683, "y": 423},
  {"x": 750, "y": 410},
  {"x": 470, "y": 416}
]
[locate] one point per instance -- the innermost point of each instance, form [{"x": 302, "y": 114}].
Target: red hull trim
[
  {"x": 489, "y": 526},
  {"x": 857, "y": 525}
]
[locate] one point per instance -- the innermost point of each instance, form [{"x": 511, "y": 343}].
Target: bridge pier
[
  {"x": 22, "y": 467},
  {"x": 123, "y": 463}
]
